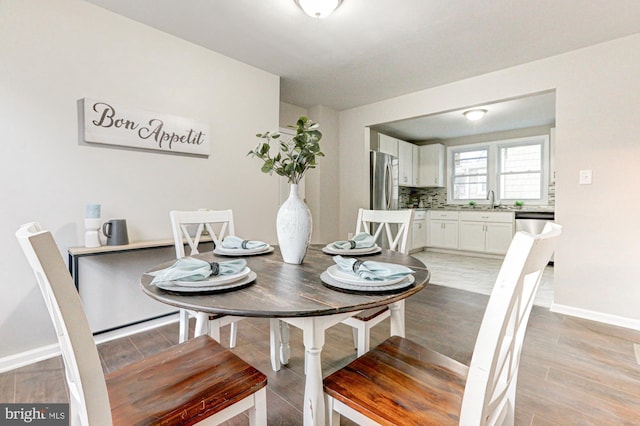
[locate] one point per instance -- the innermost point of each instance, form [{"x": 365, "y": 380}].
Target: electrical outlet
[{"x": 585, "y": 177}]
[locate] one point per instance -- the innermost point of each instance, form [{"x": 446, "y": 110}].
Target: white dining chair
[
  {"x": 189, "y": 228},
  {"x": 400, "y": 382},
  {"x": 195, "y": 381},
  {"x": 395, "y": 225}
]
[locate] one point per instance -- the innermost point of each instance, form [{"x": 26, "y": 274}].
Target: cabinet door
[
  {"x": 415, "y": 165},
  {"x": 472, "y": 235},
  {"x": 498, "y": 237},
  {"x": 405, "y": 163},
  {"x": 431, "y": 167},
  {"x": 388, "y": 145},
  {"x": 419, "y": 235},
  {"x": 450, "y": 234},
  {"x": 435, "y": 234}
]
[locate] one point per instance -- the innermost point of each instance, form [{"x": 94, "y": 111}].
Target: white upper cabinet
[
  {"x": 415, "y": 165},
  {"x": 405, "y": 163},
  {"x": 431, "y": 165},
  {"x": 387, "y": 144}
]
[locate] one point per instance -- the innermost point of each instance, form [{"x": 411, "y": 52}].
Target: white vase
[{"x": 294, "y": 227}]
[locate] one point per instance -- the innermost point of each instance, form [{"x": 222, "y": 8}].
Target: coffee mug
[{"x": 116, "y": 232}]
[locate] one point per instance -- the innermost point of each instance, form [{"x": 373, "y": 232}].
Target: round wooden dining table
[{"x": 296, "y": 295}]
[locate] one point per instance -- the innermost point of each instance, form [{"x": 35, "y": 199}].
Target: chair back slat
[
  {"x": 489, "y": 396},
  {"x": 89, "y": 401},
  {"x": 383, "y": 220},
  {"x": 189, "y": 227}
]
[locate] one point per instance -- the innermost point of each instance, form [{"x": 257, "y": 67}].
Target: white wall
[
  {"x": 597, "y": 110},
  {"x": 53, "y": 53},
  {"x": 290, "y": 113},
  {"x": 324, "y": 181},
  {"x": 321, "y": 183}
]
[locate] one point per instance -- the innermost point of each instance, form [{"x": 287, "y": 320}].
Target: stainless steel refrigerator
[{"x": 383, "y": 186}]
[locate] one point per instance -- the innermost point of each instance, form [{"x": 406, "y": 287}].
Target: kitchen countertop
[{"x": 466, "y": 208}]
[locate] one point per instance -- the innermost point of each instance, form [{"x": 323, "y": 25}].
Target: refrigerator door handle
[{"x": 389, "y": 180}]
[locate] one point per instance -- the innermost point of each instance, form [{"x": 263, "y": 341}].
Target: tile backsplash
[{"x": 437, "y": 197}]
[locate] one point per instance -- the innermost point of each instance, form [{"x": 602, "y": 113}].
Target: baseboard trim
[
  {"x": 31, "y": 356},
  {"x": 464, "y": 253},
  {"x": 42, "y": 353},
  {"x": 610, "y": 319}
]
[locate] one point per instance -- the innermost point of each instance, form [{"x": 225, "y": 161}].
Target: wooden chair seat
[
  {"x": 181, "y": 385},
  {"x": 401, "y": 382},
  {"x": 369, "y": 314}
]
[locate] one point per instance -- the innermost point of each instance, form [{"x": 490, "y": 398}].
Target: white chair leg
[
  {"x": 332, "y": 416},
  {"x": 183, "y": 335},
  {"x": 214, "y": 330},
  {"x": 354, "y": 331},
  {"x": 364, "y": 339},
  {"x": 233, "y": 335},
  {"x": 202, "y": 324},
  {"x": 258, "y": 413}
]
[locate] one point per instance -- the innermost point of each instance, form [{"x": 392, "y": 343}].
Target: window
[
  {"x": 520, "y": 172},
  {"x": 516, "y": 169},
  {"x": 470, "y": 174}
]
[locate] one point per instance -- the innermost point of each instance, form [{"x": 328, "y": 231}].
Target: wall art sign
[{"x": 112, "y": 124}]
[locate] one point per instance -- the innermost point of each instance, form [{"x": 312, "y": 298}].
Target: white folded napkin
[
  {"x": 362, "y": 240},
  {"x": 232, "y": 242},
  {"x": 191, "y": 269},
  {"x": 370, "y": 270}
]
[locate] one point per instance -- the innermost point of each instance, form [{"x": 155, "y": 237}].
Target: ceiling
[
  {"x": 368, "y": 51},
  {"x": 530, "y": 111}
]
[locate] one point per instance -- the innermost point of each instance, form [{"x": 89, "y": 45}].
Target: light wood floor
[
  {"x": 477, "y": 274},
  {"x": 573, "y": 372}
]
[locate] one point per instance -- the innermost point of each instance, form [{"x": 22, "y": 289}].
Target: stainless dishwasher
[{"x": 533, "y": 222}]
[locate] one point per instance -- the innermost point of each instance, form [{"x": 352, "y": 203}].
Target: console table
[{"x": 75, "y": 253}]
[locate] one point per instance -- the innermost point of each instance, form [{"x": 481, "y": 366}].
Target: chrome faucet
[{"x": 491, "y": 197}]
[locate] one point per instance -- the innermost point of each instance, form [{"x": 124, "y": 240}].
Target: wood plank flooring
[{"x": 573, "y": 372}]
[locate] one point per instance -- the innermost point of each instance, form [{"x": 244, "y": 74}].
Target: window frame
[
  {"x": 494, "y": 168},
  {"x": 452, "y": 175}
]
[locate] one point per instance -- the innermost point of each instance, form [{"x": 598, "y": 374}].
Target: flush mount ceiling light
[
  {"x": 475, "y": 114},
  {"x": 318, "y": 8}
]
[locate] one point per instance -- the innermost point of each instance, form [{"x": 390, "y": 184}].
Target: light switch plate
[{"x": 585, "y": 177}]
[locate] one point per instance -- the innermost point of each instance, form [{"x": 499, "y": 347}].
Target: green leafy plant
[
  {"x": 472, "y": 203},
  {"x": 295, "y": 156},
  {"x": 519, "y": 203}
]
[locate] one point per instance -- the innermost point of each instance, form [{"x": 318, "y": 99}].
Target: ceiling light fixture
[
  {"x": 318, "y": 8},
  {"x": 475, "y": 114}
]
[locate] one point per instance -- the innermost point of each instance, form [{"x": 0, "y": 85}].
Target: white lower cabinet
[
  {"x": 442, "y": 229},
  {"x": 487, "y": 232},
  {"x": 419, "y": 231}
]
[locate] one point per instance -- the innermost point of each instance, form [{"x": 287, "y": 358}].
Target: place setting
[
  {"x": 352, "y": 275},
  {"x": 361, "y": 245},
  {"x": 191, "y": 275},
  {"x": 236, "y": 246}
]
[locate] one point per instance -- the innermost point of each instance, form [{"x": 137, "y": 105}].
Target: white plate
[
  {"x": 242, "y": 252},
  {"x": 369, "y": 250},
  {"x": 350, "y": 278},
  {"x": 213, "y": 280},
  {"x": 243, "y": 282},
  {"x": 360, "y": 288}
]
